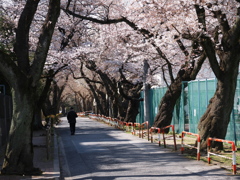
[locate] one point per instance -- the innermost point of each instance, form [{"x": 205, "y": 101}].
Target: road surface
[{"x": 101, "y": 152}]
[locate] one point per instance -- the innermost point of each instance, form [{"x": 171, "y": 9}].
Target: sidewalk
[{"x": 49, "y": 167}]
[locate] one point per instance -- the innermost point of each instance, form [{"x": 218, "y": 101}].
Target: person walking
[{"x": 71, "y": 117}]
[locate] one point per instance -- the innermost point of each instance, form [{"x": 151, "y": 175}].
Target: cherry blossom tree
[
  {"x": 184, "y": 32},
  {"x": 53, "y": 100},
  {"x": 23, "y": 72},
  {"x": 163, "y": 37},
  {"x": 108, "y": 59},
  {"x": 219, "y": 37},
  {"x": 83, "y": 100},
  {"x": 212, "y": 27}
]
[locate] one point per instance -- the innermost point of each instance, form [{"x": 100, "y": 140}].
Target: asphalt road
[{"x": 100, "y": 152}]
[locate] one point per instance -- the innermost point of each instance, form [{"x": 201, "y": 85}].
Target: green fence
[
  {"x": 191, "y": 106},
  {"x": 198, "y": 94},
  {"x": 155, "y": 96}
]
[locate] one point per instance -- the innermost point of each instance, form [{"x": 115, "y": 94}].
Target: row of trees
[
  {"x": 203, "y": 29},
  {"x": 103, "y": 44},
  {"x": 22, "y": 68}
]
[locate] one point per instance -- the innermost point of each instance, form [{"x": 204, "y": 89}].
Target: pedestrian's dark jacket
[{"x": 71, "y": 116}]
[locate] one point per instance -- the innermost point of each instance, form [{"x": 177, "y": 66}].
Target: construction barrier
[
  {"x": 94, "y": 116},
  {"x": 108, "y": 120},
  {"x": 80, "y": 114},
  {"x": 174, "y": 136},
  {"x": 198, "y": 143},
  {"x": 151, "y": 134},
  {"x": 116, "y": 123},
  {"x": 129, "y": 124},
  {"x": 121, "y": 124},
  {"x": 143, "y": 130},
  {"x": 134, "y": 129},
  {"x": 112, "y": 122},
  {"x": 234, "y": 149}
]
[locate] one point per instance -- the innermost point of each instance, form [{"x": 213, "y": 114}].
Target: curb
[{"x": 56, "y": 158}]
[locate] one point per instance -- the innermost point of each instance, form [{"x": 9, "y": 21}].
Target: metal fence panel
[{"x": 192, "y": 105}]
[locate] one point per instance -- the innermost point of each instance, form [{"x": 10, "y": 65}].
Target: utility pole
[{"x": 146, "y": 91}]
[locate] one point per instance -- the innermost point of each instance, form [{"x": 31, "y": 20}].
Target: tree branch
[
  {"x": 147, "y": 34},
  {"x": 206, "y": 42},
  {"x": 45, "y": 40},
  {"x": 106, "y": 21},
  {"x": 222, "y": 19},
  {"x": 235, "y": 31},
  {"x": 208, "y": 47},
  {"x": 198, "y": 65},
  {"x": 84, "y": 77},
  {"x": 164, "y": 78},
  {"x": 21, "y": 46},
  {"x": 168, "y": 63},
  {"x": 201, "y": 16},
  {"x": 181, "y": 46}
]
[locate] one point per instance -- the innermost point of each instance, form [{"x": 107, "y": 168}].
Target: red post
[
  {"x": 198, "y": 143},
  {"x": 151, "y": 134},
  {"x": 174, "y": 136},
  {"x": 182, "y": 147},
  {"x": 134, "y": 127},
  {"x": 142, "y": 125},
  {"x": 234, "y": 168}
]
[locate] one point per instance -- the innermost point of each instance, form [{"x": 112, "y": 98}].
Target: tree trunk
[
  {"x": 167, "y": 104},
  {"x": 214, "y": 122},
  {"x": 63, "y": 109},
  {"x": 37, "y": 119},
  {"x": 168, "y": 101},
  {"x": 23, "y": 76},
  {"x": 19, "y": 152},
  {"x": 122, "y": 108},
  {"x": 114, "y": 107},
  {"x": 132, "y": 111}
]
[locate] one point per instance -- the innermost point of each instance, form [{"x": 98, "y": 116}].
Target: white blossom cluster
[{"x": 115, "y": 46}]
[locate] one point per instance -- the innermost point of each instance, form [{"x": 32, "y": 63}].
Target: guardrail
[
  {"x": 198, "y": 143},
  {"x": 94, "y": 116},
  {"x": 234, "y": 149},
  {"x": 151, "y": 134},
  {"x": 116, "y": 123},
  {"x": 110, "y": 121},
  {"x": 134, "y": 129},
  {"x": 174, "y": 136},
  {"x": 143, "y": 130},
  {"x": 81, "y": 114},
  {"x": 129, "y": 124},
  {"x": 161, "y": 131},
  {"x": 122, "y": 124}
]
